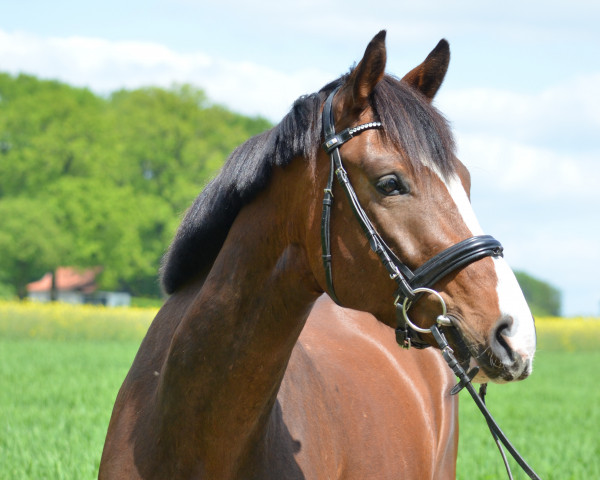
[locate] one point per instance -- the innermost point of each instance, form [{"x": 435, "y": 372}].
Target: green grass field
[
  {"x": 552, "y": 419},
  {"x": 55, "y": 402},
  {"x": 59, "y": 376}
]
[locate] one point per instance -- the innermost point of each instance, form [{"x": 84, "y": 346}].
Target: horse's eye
[{"x": 391, "y": 185}]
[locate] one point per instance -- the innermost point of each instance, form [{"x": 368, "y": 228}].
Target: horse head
[{"x": 416, "y": 194}]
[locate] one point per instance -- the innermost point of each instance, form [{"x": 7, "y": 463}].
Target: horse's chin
[
  {"x": 493, "y": 371},
  {"x": 481, "y": 376}
]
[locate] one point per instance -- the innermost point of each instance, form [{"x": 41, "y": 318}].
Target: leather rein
[{"x": 410, "y": 284}]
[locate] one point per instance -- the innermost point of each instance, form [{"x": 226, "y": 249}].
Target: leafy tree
[
  {"x": 102, "y": 181},
  {"x": 31, "y": 242},
  {"x": 172, "y": 142},
  {"x": 543, "y": 298},
  {"x": 48, "y": 130}
]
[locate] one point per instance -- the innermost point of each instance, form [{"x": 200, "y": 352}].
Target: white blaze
[
  {"x": 521, "y": 335},
  {"x": 461, "y": 200}
]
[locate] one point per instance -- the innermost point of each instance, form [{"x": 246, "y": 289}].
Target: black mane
[{"x": 409, "y": 122}]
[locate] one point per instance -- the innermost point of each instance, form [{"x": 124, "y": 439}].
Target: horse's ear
[
  {"x": 428, "y": 77},
  {"x": 369, "y": 71}
]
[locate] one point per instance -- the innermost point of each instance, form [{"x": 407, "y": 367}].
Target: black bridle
[{"x": 410, "y": 284}]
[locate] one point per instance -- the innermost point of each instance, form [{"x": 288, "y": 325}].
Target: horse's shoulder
[{"x": 345, "y": 370}]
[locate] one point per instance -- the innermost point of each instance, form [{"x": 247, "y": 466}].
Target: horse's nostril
[{"x": 499, "y": 341}]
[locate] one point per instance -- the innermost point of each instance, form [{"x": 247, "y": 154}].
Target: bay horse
[{"x": 251, "y": 371}]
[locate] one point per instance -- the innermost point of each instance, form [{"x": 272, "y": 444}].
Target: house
[{"x": 75, "y": 286}]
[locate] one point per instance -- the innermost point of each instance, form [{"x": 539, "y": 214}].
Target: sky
[{"x": 521, "y": 92}]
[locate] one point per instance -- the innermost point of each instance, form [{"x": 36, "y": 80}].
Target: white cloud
[
  {"x": 105, "y": 66},
  {"x": 539, "y": 146},
  {"x": 567, "y": 112},
  {"x": 531, "y": 172}
]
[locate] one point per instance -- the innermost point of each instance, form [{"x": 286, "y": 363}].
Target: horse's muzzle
[{"x": 506, "y": 361}]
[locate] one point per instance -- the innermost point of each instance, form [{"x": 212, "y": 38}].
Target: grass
[
  {"x": 55, "y": 403},
  {"x": 61, "y": 367},
  {"x": 552, "y": 419},
  {"x": 61, "y": 321}
]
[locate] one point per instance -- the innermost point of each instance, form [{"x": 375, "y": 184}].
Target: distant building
[{"x": 75, "y": 286}]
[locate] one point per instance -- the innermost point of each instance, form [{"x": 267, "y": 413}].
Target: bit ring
[{"x": 441, "y": 319}]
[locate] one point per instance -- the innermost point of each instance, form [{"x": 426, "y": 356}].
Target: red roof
[{"x": 67, "y": 279}]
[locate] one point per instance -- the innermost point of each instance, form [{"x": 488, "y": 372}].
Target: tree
[
  {"x": 171, "y": 142},
  {"x": 48, "y": 130},
  {"x": 31, "y": 242},
  {"x": 543, "y": 298},
  {"x": 87, "y": 181}
]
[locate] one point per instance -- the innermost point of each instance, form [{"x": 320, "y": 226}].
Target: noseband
[{"x": 410, "y": 283}]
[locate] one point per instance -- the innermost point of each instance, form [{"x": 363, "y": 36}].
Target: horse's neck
[{"x": 229, "y": 353}]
